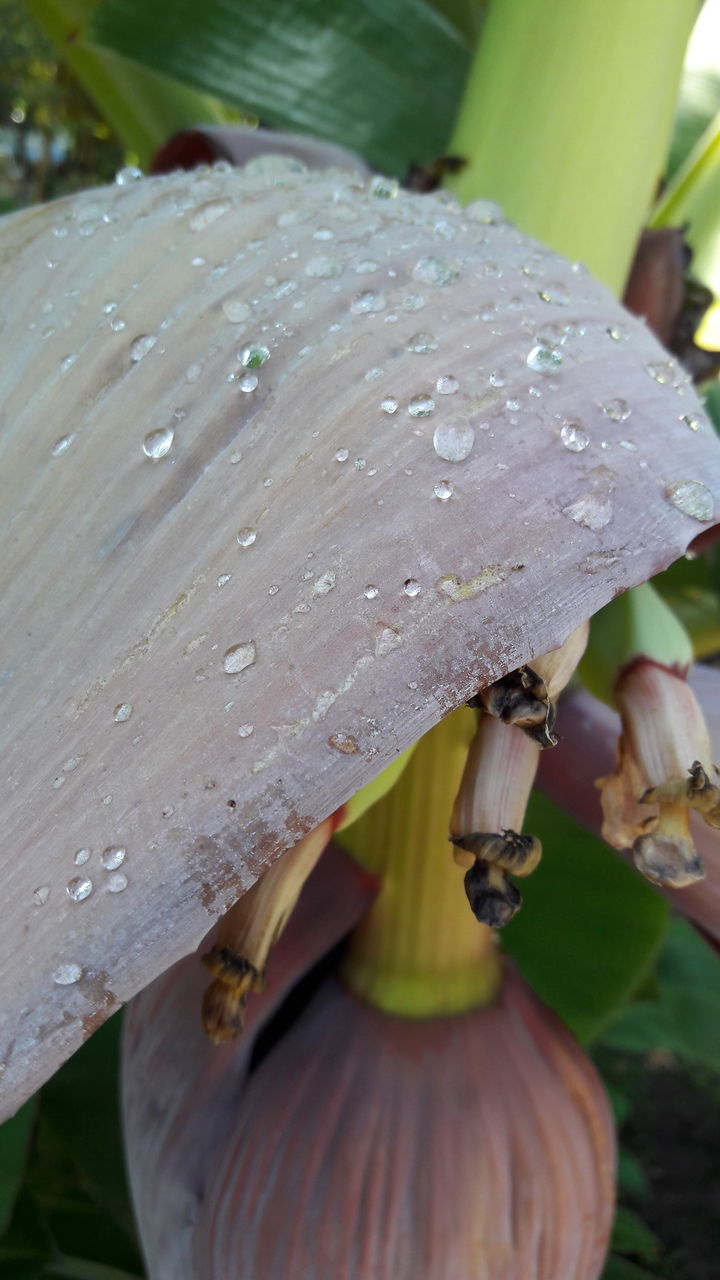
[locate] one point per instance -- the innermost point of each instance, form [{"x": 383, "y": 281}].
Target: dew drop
[
  {"x": 223, "y": 579},
  {"x": 253, "y": 356},
  {"x": 342, "y": 455},
  {"x": 421, "y": 406},
  {"x": 382, "y": 188},
  {"x": 323, "y": 267},
  {"x": 437, "y": 271},
  {"x": 245, "y": 730},
  {"x": 497, "y": 378},
  {"x": 389, "y": 405},
  {"x": 67, "y": 363},
  {"x": 593, "y": 510},
  {"x": 367, "y": 302},
  {"x": 691, "y": 420},
  {"x": 239, "y": 656},
  {"x": 544, "y": 359},
  {"x": 81, "y": 857},
  {"x": 662, "y": 371},
  {"x": 370, "y": 591},
  {"x": 128, "y": 175},
  {"x": 236, "y": 311},
  {"x": 447, "y": 385},
  {"x": 62, "y": 445},
  {"x": 66, "y": 974},
  {"x": 556, "y": 293},
  {"x": 422, "y": 343},
  {"x": 617, "y": 410},
  {"x": 596, "y": 561},
  {"x": 157, "y": 444},
  {"x": 140, "y": 346},
  {"x": 692, "y": 498},
  {"x": 112, "y": 857},
  {"x": 41, "y": 895},
  {"x": 79, "y": 888},
  {"x": 248, "y": 382},
  {"x": 444, "y": 489},
  {"x": 246, "y": 536},
  {"x": 453, "y": 441},
  {"x": 574, "y": 436},
  {"x": 411, "y": 587},
  {"x": 208, "y": 213},
  {"x": 117, "y": 882},
  {"x": 122, "y": 712}
]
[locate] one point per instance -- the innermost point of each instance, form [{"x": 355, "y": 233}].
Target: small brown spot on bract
[{"x": 345, "y": 743}]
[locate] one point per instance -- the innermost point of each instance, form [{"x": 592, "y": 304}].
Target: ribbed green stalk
[
  {"x": 566, "y": 119},
  {"x": 419, "y": 951},
  {"x": 143, "y": 107}
]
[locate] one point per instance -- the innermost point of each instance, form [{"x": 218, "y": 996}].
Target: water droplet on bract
[
  {"x": 574, "y": 436},
  {"x": 370, "y": 592},
  {"x": 366, "y": 267},
  {"x": 444, "y": 489},
  {"x": 556, "y": 293},
  {"x": 386, "y": 639},
  {"x": 323, "y": 267},
  {"x": 497, "y": 378},
  {"x": 447, "y": 385},
  {"x": 411, "y": 587},
  {"x": 140, "y": 346},
  {"x": 248, "y": 382},
  {"x": 692, "y": 498},
  {"x": 437, "y": 271},
  {"x": 421, "y": 406},
  {"x": 117, "y": 882},
  {"x": 246, "y": 536},
  {"x": 345, "y": 743},
  {"x": 208, "y": 213},
  {"x": 617, "y": 333},
  {"x": 422, "y": 343},
  {"x": 342, "y": 455},
  {"x": 236, "y": 311},
  {"x": 66, "y": 974},
  {"x": 360, "y": 464},
  {"x": 383, "y": 188},
  {"x": 593, "y": 510},
  {"x": 81, "y": 857},
  {"x": 389, "y": 405},
  {"x": 245, "y": 730},
  {"x": 661, "y": 371},
  {"x": 67, "y": 363},
  {"x": 367, "y": 303},
  {"x": 453, "y": 441},
  {"x": 122, "y": 712},
  {"x": 41, "y": 895},
  {"x": 223, "y": 578},
  {"x": 544, "y": 359},
  {"x": 596, "y": 561},
  {"x": 324, "y": 583},
  {"x": 79, "y": 888},
  {"x": 239, "y": 656},
  {"x": 629, "y": 445},
  {"x": 113, "y": 857},
  {"x": 253, "y": 356},
  {"x": 117, "y": 325},
  {"x": 692, "y": 421},
  {"x": 617, "y": 410},
  {"x": 62, "y": 445},
  {"x": 158, "y": 443},
  {"x": 128, "y": 175}
]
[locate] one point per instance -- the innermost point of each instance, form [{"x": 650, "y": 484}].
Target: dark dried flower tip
[
  {"x": 697, "y": 791},
  {"x": 668, "y": 860},
  {"x": 521, "y": 698},
  {"x": 493, "y": 897},
  {"x": 509, "y": 850}
]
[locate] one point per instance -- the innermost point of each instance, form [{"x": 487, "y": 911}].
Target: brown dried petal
[{"x": 174, "y": 690}]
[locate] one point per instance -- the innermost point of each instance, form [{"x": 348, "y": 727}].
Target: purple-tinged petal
[
  {"x": 364, "y": 1146},
  {"x": 179, "y": 1088},
  {"x": 292, "y": 465}
]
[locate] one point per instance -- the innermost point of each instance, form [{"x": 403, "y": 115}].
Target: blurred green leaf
[
  {"x": 632, "y": 1179},
  {"x": 631, "y": 1235},
  {"x": 685, "y": 1017},
  {"x": 590, "y": 927},
  {"x": 690, "y": 587},
  {"x": 383, "y": 77},
  {"x": 620, "y": 1269},
  {"x": 15, "y": 1137}
]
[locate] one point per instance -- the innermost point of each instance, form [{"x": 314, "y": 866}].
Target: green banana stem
[{"x": 566, "y": 120}]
